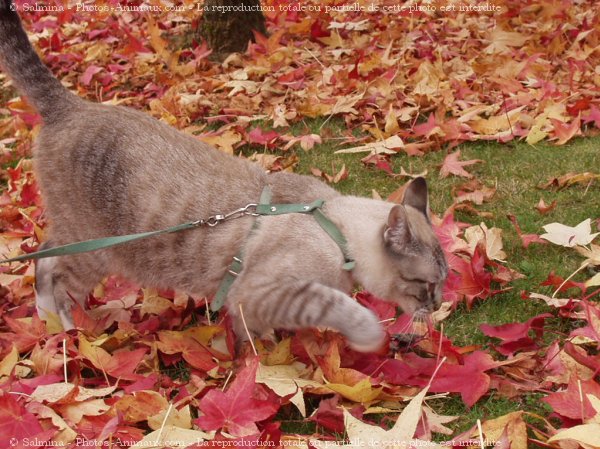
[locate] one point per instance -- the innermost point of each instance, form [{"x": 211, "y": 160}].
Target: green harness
[{"x": 264, "y": 207}]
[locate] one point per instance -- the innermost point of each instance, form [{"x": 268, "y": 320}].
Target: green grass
[{"x": 516, "y": 171}]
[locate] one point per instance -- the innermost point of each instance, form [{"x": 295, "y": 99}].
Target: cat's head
[{"x": 413, "y": 254}]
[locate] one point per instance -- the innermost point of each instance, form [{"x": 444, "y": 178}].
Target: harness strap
[
  {"x": 235, "y": 267},
  {"x": 336, "y": 235},
  {"x": 265, "y": 208}
]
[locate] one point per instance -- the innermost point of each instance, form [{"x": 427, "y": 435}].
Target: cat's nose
[
  {"x": 431, "y": 289},
  {"x": 435, "y": 299}
]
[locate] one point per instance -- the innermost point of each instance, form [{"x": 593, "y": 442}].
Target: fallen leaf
[
  {"x": 543, "y": 208},
  {"x": 572, "y": 402},
  {"x": 512, "y": 424},
  {"x": 236, "y": 411},
  {"x": 526, "y": 239},
  {"x": 387, "y": 146},
  {"x": 452, "y": 166},
  {"x": 586, "y": 434},
  {"x": 569, "y": 179},
  {"x": 171, "y": 436},
  {"x": 568, "y": 236},
  {"x": 491, "y": 239},
  {"x": 286, "y": 381},
  {"x": 122, "y": 364}
]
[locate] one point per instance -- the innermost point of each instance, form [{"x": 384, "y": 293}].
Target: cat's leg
[
  {"x": 301, "y": 304},
  {"x": 44, "y": 287},
  {"x": 59, "y": 280}
]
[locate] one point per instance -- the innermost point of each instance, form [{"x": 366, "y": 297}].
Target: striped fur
[{"x": 106, "y": 170}]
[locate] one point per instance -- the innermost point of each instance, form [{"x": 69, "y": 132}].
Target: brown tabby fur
[{"x": 106, "y": 170}]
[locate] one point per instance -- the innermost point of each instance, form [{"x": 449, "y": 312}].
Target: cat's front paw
[{"x": 368, "y": 338}]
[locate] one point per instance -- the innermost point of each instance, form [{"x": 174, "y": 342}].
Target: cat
[{"x": 109, "y": 170}]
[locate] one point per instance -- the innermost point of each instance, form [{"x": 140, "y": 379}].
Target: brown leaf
[
  {"x": 332, "y": 179},
  {"x": 569, "y": 179},
  {"x": 543, "y": 208}
]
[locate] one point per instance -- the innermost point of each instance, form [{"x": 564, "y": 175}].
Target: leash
[{"x": 262, "y": 208}]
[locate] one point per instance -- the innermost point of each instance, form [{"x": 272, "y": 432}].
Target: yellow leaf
[
  {"x": 203, "y": 334},
  {"x": 154, "y": 303},
  {"x": 346, "y": 104},
  {"x": 96, "y": 355},
  {"x": 492, "y": 238},
  {"x": 391, "y": 123},
  {"x": 514, "y": 425},
  {"x": 387, "y": 146},
  {"x": 281, "y": 354},
  {"x": 588, "y": 434},
  {"x": 595, "y": 280},
  {"x": 497, "y": 124},
  {"x": 286, "y": 380},
  {"x": 53, "y": 323},
  {"x": 535, "y": 134},
  {"x": 361, "y": 392},
  {"x": 333, "y": 40},
  {"x": 592, "y": 254},
  {"x": 177, "y": 418},
  {"x": 595, "y": 401},
  {"x": 9, "y": 362},
  {"x": 428, "y": 79},
  {"x": 96, "y": 52},
  {"x": 223, "y": 142}
]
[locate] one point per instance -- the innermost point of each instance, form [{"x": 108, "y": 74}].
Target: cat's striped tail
[{"x": 20, "y": 61}]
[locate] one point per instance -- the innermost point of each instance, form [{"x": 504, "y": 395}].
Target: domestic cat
[{"x": 109, "y": 170}]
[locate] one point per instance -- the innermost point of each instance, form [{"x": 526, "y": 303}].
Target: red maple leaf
[
  {"x": 236, "y": 411},
  {"x": 452, "y": 166},
  {"x": 555, "y": 281},
  {"x": 26, "y": 334},
  {"x": 428, "y": 128},
  {"x": 260, "y": 137},
  {"x": 469, "y": 378},
  {"x": 526, "y": 239},
  {"x": 18, "y": 427},
  {"x": 515, "y": 336},
  {"x": 380, "y": 161},
  {"x": 573, "y": 403},
  {"x": 172, "y": 342},
  {"x": 474, "y": 280},
  {"x": 564, "y": 132},
  {"x": 448, "y": 233}
]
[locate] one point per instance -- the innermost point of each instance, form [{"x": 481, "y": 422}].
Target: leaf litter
[{"x": 129, "y": 378}]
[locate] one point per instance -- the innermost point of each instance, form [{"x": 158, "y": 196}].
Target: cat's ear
[
  {"x": 416, "y": 196},
  {"x": 397, "y": 231}
]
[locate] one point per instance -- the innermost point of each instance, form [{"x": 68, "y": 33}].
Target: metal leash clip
[{"x": 214, "y": 220}]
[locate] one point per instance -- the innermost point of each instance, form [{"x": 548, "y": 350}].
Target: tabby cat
[{"x": 109, "y": 170}]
